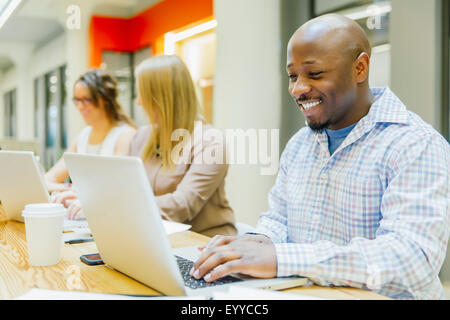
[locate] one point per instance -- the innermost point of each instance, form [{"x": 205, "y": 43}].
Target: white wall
[
  {"x": 415, "y": 37},
  {"x": 9, "y": 80},
  {"x": 380, "y": 66},
  {"x": 247, "y": 89},
  {"x": 21, "y": 76},
  {"x": 416, "y": 63},
  {"x": 69, "y": 48},
  {"x": 1, "y": 107},
  {"x": 49, "y": 57},
  {"x": 77, "y": 44}
]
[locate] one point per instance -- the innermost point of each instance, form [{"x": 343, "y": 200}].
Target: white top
[{"x": 106, "y": 148}]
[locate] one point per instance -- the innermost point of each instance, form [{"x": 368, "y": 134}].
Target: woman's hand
[
  {"x": 63, "y": 197},
  {"x": 75, "y": 210},
  {"x": 57, "y": 187},
  {"x": 69, "y": 200}
]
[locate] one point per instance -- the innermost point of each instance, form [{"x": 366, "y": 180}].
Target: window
[
  {"x": 50, "y": 106},
  {"x": 372, "y": 16},
  {"x": 39, "y": 113},
  {"x": 10, "y": 103},
  {"x": 63, "y": 108},
  {"x": 51, "y": 117},
  {"x": 138, "y": 113},
  {"x": 121, "y": 65}
]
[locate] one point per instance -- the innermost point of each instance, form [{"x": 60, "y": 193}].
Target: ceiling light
[
  {"x": 7, "y": 7},
  {"x": 171, "y": 38},
  {"x": 377, "y": 9}
]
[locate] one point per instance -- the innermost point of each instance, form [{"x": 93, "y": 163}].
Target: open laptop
[
  {"x": 122, "y": 213},
  {"x": 22, "y": 182}
]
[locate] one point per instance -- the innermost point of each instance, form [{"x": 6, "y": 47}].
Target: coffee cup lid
[{"x": 43, "y": 210}]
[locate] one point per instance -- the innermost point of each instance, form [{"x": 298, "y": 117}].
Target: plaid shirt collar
[{"x": 387, "y": 108}]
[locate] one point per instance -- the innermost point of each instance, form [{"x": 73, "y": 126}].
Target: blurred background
[{"x": 235, "y": 50}]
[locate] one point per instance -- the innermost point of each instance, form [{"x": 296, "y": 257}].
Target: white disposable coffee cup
[{"x": 44, "y": 224}]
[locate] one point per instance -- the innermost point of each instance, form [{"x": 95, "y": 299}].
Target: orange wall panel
[
  {"x": 108, "y": 34},
  {"x": 145, "y": 29}
]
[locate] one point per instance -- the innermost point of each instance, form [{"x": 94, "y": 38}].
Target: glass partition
[{"x": 10, "y": 114}]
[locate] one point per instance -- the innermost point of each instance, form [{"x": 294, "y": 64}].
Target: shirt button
[
  {"x": 374, "y": 281},
  {"x": 316, "y": 217},
  {"x": 324, "y": 176}
]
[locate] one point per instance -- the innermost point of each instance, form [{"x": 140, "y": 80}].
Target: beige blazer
[{"x": 192, "y": 193}]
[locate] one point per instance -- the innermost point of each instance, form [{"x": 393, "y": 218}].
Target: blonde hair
[{"x": 168, "y": 97}]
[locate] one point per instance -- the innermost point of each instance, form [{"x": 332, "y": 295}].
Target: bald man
[{"x": 362, "y": 195}]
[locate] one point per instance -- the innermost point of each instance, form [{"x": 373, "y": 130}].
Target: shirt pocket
[{"x": 357, "y": 198}]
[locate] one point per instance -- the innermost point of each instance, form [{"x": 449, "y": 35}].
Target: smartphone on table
[{"x": 92, "y": 259}]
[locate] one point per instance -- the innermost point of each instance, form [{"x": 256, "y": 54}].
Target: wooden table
[{"x": 18, "y": 277}]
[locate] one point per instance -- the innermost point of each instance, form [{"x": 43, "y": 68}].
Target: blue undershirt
[{"x": 336, "y": 137}]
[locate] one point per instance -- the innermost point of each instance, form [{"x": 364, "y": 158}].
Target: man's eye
[
  {"x": 292, "y": 77},
  {"x": 315, "y": 74}
]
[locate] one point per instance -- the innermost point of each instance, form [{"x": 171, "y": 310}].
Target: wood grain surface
[{"x": 18, "y": 277}]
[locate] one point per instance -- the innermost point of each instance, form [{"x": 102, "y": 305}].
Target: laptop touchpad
[{"x": 190, "y": 253}]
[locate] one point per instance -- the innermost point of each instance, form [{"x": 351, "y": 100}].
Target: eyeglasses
[{"x": 77, "y": 101}]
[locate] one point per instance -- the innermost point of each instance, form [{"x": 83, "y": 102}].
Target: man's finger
[
  {"x": 218, "y": 257},
  {"x": 72, "y": 210},
  {"x": 75, "y": 210},
  {"x": 233, "y": 266},
  {"x": 215, "y": 242},
  {"x": 219, "y": 241},
  {"x": 69, "y": 214}
]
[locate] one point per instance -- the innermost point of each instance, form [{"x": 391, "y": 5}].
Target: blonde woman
[
  {"x": 188, "y": 191},
  {"x": 109, "y": 131}
]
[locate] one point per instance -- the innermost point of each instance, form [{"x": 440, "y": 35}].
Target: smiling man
[
  {"x": 327, "y": 64},
  {"x": 362, "y": 195}
]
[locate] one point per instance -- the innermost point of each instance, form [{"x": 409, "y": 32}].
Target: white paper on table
[
  {"x": 246, "y": 293},
  {"x": 81, "y": 227},
  {"x": 72, "y": 225},
  {"x": 75, "y": 235},
  {"x": 44, "y": 294},
  {"x": 174, "y": 227}
]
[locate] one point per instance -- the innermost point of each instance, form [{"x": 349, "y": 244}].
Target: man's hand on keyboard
[{"x": 253, "y": 255}]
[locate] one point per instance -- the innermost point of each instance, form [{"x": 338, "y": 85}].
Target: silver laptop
[
  {"x": 124, "y": 219},
  {"x": 22, "y": 182}
]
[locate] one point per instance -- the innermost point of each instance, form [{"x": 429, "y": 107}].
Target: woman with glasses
[{"x": 109, "y": 130}]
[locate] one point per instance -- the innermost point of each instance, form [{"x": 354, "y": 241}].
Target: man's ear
[{"x": 362, "y": 67}]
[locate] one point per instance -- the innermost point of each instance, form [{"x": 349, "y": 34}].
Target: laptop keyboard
[{"x": 186, "y": 265}]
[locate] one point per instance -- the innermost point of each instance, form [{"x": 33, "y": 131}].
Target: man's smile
[{"x": 310, "y": 104}]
